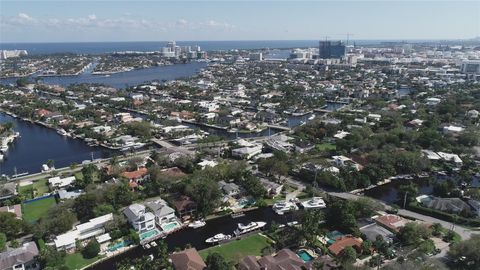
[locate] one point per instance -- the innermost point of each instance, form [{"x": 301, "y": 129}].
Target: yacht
[
  {"x": 62, "y": 132},
  {"x": 281, "y": 208},
  {"x": 315, "y": 202},
  {"x": 311, "y": 117},
  {"x": 197, "y": 224},
  {"x": 218, "y": 237},
  {"x": 252, "y": 226},
  {"x": 1, "y": 157}
]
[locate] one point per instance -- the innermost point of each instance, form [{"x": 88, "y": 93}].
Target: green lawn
[
  {"x": 76, "y": 261},
  {"x": 35, "y": 210},
  {"x": 26, "y": 191},
  {"x": 236, "y": 250},
  {"x": 325, "y": 147},
  {"x": 41, "y": 187},
  {"x": 37, "y": 189}
]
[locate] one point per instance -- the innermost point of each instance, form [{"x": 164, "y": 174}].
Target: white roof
[
  {"x": 103, "y": 238},
  {"x": 431, "y": 155},
  {"x": 95, "y": 222},
  {"x": 450, "y": 157},
  {"x": 61, "y": 182}
]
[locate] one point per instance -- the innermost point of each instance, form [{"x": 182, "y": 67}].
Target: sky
[{"x": 88, "y": 20}]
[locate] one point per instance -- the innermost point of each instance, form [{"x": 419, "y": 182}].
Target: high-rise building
[
  {"x": 331, "y": 49},
  {"x": 471, "y": 68}
]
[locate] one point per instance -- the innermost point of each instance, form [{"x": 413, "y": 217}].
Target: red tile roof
[
  {"x": 345, "y": 241},
  {"x": 135, "y": 174}
]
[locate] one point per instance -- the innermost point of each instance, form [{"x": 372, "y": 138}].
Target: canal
[
  {"x": 196, "y": 237},
  {"x": 123, "y": 79},
  {"x": 38, "y": 144}
]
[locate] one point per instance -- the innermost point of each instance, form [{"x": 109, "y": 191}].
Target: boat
[
  {"x": 218, "y": 238},
  {"x": 281, "y": 208},
  {"x": 147, "y": 246},
  {"x": 197, "y": 224},
  {"x": 252, "y": 226},
  {"x": 311, "y": 117},
  {"x": 62, "y": 132},
  {"x": 292, "y": 223},
  {"x": 237, "y": 215},
  {"x": 1, "y": 157},
  {"x": 315, "y": 202},
  {"x": 153, "y": 244}
]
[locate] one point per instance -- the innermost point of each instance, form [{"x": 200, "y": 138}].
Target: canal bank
[
  {"x": 196, "y": 237},
  {"x": 37, "y": 144}
]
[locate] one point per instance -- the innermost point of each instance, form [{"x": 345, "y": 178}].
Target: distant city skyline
[{"x": 110, "y": 21}]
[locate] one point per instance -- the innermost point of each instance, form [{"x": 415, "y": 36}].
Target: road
[{"x": 465, "y": 233}]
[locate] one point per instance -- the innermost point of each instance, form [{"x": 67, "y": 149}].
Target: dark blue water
[
  {"x": 107, "y": 47},
  {"x": 196, "y": 237},
  {"x": 129, "y": 78},
  {"x": 38, "y": 144}
]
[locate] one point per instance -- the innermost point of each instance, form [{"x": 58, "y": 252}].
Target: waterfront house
[
  {"x": 94, "y": 227},
  {"x": 8, "y": 190},
  {"x": 345, "y": 241},
  {"x": 139, "y": 218},
  {"x": 185, "y": 207},
  {"x": 189, "y": 259},
  {"x": 284, "y": 259},
  {"x": 15, "y": 209},
  {"x": 22, "y": 258},
  {"x": 229, "y": 189},
  {"x": 371, "y": 231},
  {"x": 57, "y": 182},
  {"x": 163, "y": 213},
  {"x": 273, "y": 189}
]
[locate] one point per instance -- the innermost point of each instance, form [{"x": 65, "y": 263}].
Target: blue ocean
[{"x": 108, "y": 47}]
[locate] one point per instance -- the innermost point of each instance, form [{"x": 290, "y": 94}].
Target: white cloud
[{"x": 89, "y": 22}]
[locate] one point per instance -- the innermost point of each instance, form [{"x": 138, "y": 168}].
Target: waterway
[
  {"x": 389, "y": 192},
  {"x": 38, "y": 144},
  {"x": 125, "y": 79},
  {"x": 196, "y": 237}
]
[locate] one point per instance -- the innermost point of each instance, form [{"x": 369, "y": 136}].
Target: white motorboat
[
  {"x": 218, "y": 237},
  {"x": 197, "y": 224},
  {"x": 1, "y": 157},
  {"x": 281, "y": 208},
  {"x": 311, "y": 117},
  {"x": 62, "y": 132},
  {"x": 252, "y": 226},
  {"x": 315, "y": 202}
]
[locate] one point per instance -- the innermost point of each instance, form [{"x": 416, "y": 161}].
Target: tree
[
  {"x": 413, "y": 233},
  {"x": 465, "y": 254},
  {"x": 426, "y": 247},
  {"x": 50, "y": 257},
  {"x": 215, "y": 261},
  {"x": 348, "y": 256},
  {"x": 10, "y": 225},
  {"x": 205, "y": 192},
  {"x": 254, "y": 187},
  {"x": 341, "y": 215},
  {"x": 91, "y": 250},
  {"x": 3, "y": 242},
  {"x": 366, "y": 207},
  {"x": 311, "y": 226},
  {"x": 366, "y": 247},
  {"x": 103, "y": 209},
  {"x": 84, "y": 206}
]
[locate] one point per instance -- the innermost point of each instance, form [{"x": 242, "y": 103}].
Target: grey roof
[
  {"x": 63, "y": 194},
  {"x": 160, "y": 207},
  {"x": 20, "y": 255},
  {"x": 454, "y": 205},
  {"x": 134, "y": 211},
  {"x": 372, "y": 230},
  {"x": 8, "y": 189}
]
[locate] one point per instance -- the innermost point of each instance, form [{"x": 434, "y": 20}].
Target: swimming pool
[
  {"x": 149, "y": 234},
  {"x": 304, "y": 255},
  {"x": 118, "y": 245},
  {"x": 169, "y": 227}
]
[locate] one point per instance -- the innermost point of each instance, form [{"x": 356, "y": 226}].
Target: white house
[
  {"x": 94, "y": 227},
  {"x": 163, "y": 213},
  {"x": 61, "y": 182},
  {"x": 141, "y": 220},
  {"x": 247, "y": 152}
]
